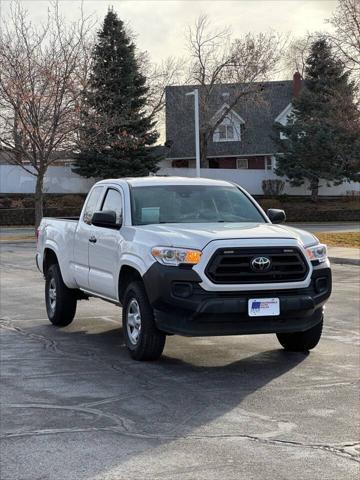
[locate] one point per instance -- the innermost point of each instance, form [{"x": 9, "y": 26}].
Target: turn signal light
[{"x": 192, "y": 256}]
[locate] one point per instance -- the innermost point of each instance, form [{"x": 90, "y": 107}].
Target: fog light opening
[
  {"x": 321, "y": 284},
  {"x": 182, "y": 290}
]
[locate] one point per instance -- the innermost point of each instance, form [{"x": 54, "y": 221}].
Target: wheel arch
[
  {"x": 128, "y": 274},
  {"x": 50, "y": 258}
]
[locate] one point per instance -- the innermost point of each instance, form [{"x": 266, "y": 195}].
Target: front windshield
[{"x": 191, "y": 204}]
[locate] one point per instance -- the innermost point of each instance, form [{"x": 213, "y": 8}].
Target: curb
[{"x": 345, "y": 261}]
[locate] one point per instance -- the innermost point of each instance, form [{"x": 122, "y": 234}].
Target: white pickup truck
[{"x": 193, "y": 257}]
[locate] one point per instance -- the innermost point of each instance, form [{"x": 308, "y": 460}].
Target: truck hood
[{"x": 198, "y": 235}]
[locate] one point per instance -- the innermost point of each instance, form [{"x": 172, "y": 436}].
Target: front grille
[{"x": 233, "y": 265}]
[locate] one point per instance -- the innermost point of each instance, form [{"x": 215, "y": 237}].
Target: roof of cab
[{"x": 154, "y": 180}]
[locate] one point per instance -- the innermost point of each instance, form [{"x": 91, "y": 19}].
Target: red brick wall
[
  {"x": 180, "y": 163},
  {"x": 227, "y": 163},
  {"x": 256, "y": 163}
]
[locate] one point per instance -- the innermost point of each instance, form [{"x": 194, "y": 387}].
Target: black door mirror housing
[
  {"x": 276, "y": 216},
  {"x": 106, "y": 219}
]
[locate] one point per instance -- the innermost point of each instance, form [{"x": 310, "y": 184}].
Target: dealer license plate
[{"x": 263, "y": 307}]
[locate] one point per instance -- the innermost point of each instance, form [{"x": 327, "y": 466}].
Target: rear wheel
[
  {"x": 60, "y": 300},
  {"x": 143, "y": 340},
  {"x": 301, "y": 341}
]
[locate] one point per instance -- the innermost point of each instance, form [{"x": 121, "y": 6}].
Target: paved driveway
[{"x": 75, "y": 407}]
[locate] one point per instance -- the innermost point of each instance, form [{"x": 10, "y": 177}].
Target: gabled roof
[
  {"x": 231, "y": 111},
  {"x": 281, "y": 118},
  {"x": 258, "y": 117}
]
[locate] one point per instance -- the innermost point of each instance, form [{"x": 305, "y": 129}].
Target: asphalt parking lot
[{"x": 75, "y": 407}]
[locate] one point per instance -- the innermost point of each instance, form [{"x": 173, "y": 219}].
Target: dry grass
[
  {"x": 341, "y": 239},
  {"x": 16, "y": 238}
]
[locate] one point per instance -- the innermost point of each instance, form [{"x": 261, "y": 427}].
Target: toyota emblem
[{"x": 261, "y": 264}]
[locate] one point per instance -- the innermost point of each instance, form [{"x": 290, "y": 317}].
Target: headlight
[
  {"x": 317, "y": 252},
  {"x": 175, "y": 256}
]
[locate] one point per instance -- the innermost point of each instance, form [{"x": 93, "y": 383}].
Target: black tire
[
  {"x": 61, "y": 309},
  {"x": 301, "y": 341},
  {"x": 143, "y": 340}
]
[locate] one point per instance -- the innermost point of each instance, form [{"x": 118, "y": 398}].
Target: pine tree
[
  {"x": 321, "y": 140},
  {"x": 117, "y": 136}
]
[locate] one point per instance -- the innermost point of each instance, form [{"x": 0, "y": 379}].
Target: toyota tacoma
[{"x": 185, "y": 256}]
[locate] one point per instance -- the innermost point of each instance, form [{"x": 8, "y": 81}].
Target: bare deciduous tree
[
  {"x": 168, "y": 72},
  {"x": 42, "y": 72},
  {"x": 217, "y": 58},
  {"x": 160, "y": 75},
  {"x": 296, "y": 54},
  {"x": 346, "y": 39}
]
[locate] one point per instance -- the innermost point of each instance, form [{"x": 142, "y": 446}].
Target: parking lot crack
[
  {"x": 49, "y": 343},
  {"x": 345, "y": 450},
  {"x": 118, "y": 421}
]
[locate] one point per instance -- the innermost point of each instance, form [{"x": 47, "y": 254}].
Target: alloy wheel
[{"x": 133, "y": 321}]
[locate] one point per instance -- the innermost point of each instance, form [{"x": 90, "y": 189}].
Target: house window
[
  {"x": 268, "y": 163},
  {"x": 242, "y": 163},
  {"x": 227, "y": 131}
]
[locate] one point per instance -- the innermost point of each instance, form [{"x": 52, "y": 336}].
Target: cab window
[
  {"x": 113, "y": 201},
  {"x": 91, "y": 204}
]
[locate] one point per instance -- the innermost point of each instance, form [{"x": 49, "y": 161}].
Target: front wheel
[
  {"x": 60, "y": 300},
  {"x": 143, "y": 340},
  {"x": 301, "y": 341}
]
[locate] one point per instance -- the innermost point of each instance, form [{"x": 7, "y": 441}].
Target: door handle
[{"x": 92, "y": 239}]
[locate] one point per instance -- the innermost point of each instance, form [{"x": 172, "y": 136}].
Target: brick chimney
[{"x": 297, "y": 84}]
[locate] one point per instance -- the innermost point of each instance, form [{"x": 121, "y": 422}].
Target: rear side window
[
  {"x": 113, "y": 201},
  {"x": 91, "y": 204}
]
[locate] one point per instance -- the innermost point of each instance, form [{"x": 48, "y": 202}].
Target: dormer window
[
  {"x": 229, "y": 130},
  {"x": 225, "y": 132}
]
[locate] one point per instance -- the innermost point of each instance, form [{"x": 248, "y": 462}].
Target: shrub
[
  {"x": 28, "y": 202},
  {"x": 5, "y": 203},
  {"x": 273, "y": 187},
  {"x": 267, "y": 203},
  {"x": 72, "y": 200}
]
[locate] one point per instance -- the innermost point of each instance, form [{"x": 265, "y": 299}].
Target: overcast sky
[{"x": 160, "y": 25}]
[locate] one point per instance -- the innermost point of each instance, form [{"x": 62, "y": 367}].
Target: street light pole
[{"x": 195, "y": 93}]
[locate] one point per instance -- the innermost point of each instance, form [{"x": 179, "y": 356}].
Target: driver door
[
  {"x": 82, "y": 238},
  {"x": 105, "y": 249}
]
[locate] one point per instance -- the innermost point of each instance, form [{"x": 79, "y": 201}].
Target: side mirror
[
  {"x": 106, "y": 219},
  {"x": 276, "y": 216}
]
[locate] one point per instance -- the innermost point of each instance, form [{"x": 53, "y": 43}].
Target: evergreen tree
[
  {"x": 321, "y": 140},
  {"x": 117, "y": 136}
]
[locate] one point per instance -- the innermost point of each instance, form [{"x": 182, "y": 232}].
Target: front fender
[{"x": 136, "y": 262}]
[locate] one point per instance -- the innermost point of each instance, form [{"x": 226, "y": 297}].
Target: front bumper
[{"x": 183, "y": 307}]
